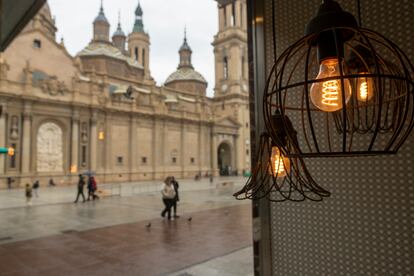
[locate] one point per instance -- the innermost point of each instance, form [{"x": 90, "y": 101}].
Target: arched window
[
  {"x": 143, "y": 57},
  {"x": 225, "y": 68},
  {"x": 225, "y": 15},
  {"x": 243, "y": 70},
  {"x": 233, "y": 14},
  {"x": 136, "y": 53}
]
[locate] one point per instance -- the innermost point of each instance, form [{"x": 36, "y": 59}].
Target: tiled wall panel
[{"x": 367, "y": 226}]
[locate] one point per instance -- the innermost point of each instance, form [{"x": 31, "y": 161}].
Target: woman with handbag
[{"x": 168, "y": 196}]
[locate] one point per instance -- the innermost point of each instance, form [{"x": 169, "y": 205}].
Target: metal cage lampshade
[
  {"x": 347, "y": 90},
  {"x": 280, "y": 178}
]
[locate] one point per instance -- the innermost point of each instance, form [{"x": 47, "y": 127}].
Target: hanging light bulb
[
  {"x": 365, "y": 88},
  {"x": 279, "y": 164},
  {"x": 327, "y": 95}
]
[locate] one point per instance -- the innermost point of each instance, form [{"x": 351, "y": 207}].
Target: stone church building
[{"x": 101, "y": 111}]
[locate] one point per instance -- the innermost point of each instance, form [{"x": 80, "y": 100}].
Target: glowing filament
[
  {"x": 279, "y": 165},
  {"x": 330, "y": 94},
  {"x": 363, "y": 91}
]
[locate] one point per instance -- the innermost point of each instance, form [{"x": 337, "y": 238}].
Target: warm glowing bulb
[
  {"x": 327, "y": 95},
  {"x": 365, "y": 88},
  {"x": 279, "y": 165}
]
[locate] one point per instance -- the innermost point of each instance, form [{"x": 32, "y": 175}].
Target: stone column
[
  {"x": 74, "y": 162},
  {"x": 214, "y": 154},
  {"x": 222, "y": 14},
  {"x": 236, "y": 148},
  {"x": 182, "y": 147},
  {"x": 157, "y": 148},
  {"x": 108, "y": 143},
  {"x": 228, "y": 14},
  {"x": 238, "y": 13},
  {"x": 93, "y": 142},
  {"x": 3, "y": 132},
  {"x": 200, "y": 155},
  {"x": 133, "y": 146},
  {"x": 27, "y": 138}
]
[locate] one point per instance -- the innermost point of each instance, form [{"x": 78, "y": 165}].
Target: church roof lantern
[
  {"x": 119, "y": 31},
  {"x": 101, "y": 16},
  {"x": 185, "y": 70}
]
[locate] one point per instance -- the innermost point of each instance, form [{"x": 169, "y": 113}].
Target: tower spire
[
  {"x": 185, "y": 52},
  {"x": 139, "y": 24}
]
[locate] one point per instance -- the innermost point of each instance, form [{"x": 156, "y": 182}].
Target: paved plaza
[{"x": 111, "y": 236}]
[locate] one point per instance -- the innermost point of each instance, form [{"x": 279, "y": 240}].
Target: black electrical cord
[{"x": 359, "y": 12}]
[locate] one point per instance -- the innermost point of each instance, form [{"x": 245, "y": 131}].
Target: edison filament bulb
[
  {"x": 327, "y": 95},
  {"x": 279, "y": 165},
  {"x": 365, "y": 88}
]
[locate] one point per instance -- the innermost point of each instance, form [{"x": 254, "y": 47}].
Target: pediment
[{"x": 227, "y": 122}]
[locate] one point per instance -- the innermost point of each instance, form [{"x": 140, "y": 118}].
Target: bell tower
[
  {"x": 139, "y": 42},
  {"x": 231, "y": 94}
]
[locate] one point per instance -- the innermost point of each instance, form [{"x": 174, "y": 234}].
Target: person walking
[
  {"x": 90, "y": 188},
  {"x": 94, "y": 188},
  {"x": 81, "y": 184},
  {"x": 28, "y": 193},
  {"x": 35, "y": 187},
  {"x": 177, "y": 197},
  {"x": 9, "y": 182},
  {"x": 168, "y": 194}
]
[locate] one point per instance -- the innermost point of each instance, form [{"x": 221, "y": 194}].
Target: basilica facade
[{"x": 101, "y": 112}]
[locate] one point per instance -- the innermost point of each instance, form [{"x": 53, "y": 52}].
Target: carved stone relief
[{"x": 49, "y": 148}]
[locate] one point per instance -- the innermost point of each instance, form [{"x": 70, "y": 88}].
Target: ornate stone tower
[
  {"x": 101, "y": 27},
  {"x": 139, "y": 42},
  {"x": 231, "y": 95}
]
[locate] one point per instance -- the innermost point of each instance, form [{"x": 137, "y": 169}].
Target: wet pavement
[{"x": 110, "y": 236}]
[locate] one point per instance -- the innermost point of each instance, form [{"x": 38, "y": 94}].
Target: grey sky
[{"x": 164, "y": 20}]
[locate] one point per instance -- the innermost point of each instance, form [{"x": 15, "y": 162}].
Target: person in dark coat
[
  {"x": 9, "y": 182},
  {"x": 35, "y": 187},
  {"x": 28, "y": 193},
  {"x": 177, "y": 197},
  {"x": 81, "y": 184},
  {"x": 90, "y": 188}
]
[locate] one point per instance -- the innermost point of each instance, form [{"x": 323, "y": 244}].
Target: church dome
[{"x": 186, "y": 74}]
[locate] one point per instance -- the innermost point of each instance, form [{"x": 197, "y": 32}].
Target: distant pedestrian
[
  {"x": 28, "y": 193},
  {"x": 95, "y": 188},
  {"x": 36, "y": 186},
  {"x": 51, "y": 182},
  {"x": 92, "y": 187},
  {"x": 177, "y": 197},
  {"x": 9, "y": 182},
  {"x": 168, "y": 194},
  {"x": 81, "y": 184},
  {"x": 211, "y": 178}
]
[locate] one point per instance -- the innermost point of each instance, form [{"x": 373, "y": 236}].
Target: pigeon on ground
[
  {"x": 190, "y": 219},
  {"x": 148, "y": 225}
]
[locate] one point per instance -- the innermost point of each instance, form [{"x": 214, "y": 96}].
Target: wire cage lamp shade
[
  {"x": 280, "y": 178},
  {"x": 348, "y": 90}
]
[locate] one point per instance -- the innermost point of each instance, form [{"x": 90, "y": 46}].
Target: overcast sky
[{"x": 164, "y": 20}]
